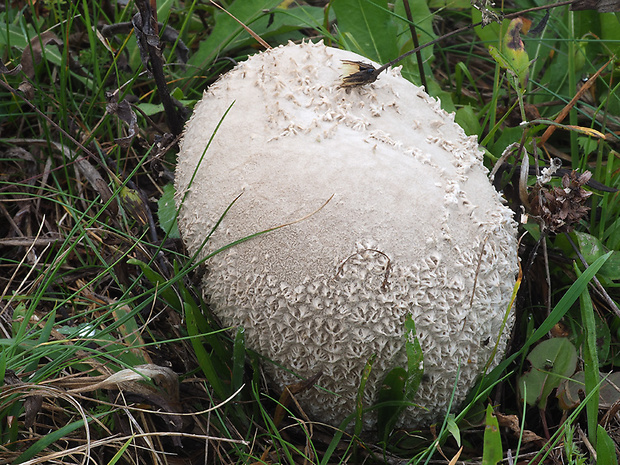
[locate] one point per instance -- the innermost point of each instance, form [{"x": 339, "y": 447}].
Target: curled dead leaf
[
  {"x": 10, "y": 72},
  {"x": 32, "y": 404},
  {"x": 511, "y": 422},
  {"x": 288, "y": 395},
  {"x": 123, "y": 111},
  {"x": 33, "y": 54},
  {"x": 152, "y": 383}
]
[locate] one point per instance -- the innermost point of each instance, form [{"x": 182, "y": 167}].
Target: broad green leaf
[
  {"x": 551, "y": 361},
  {"x": 587, "y": 144},
  {"x": 451, "y": 4},
  {"x": 507, "y": 137},
  {"x": 453, "y": 428},
  {"x": 167, "y": 212},
  {"x": 280, "y": 21},
  {"x": 423, "y": 21},
  {"x": 603, "y": 339},
  {"x": 415, "y": 360},
  {"x": 580, "y": 55},
  {"x": 605, "y": 448},
  {"x": 468, "y": 120},
  {"x": 592, "y": 248},
  {"x": 492, "y": 453},
  {"x": 151, "y": 109},
  {"x": 488, "y": 34},
  {"x": 12, "y": 35},
  {"x": 288, "y": 20},
  {"x": 610, "y": 31},
  {"x": 514, "y": 51},
  {"x": 163, "y": 10},
  {"x": 573, "y": 390},
  {"x": 227, "y": 29},
  {"x": 499, "y": 57},
  {"x": 371, "y": 25}
]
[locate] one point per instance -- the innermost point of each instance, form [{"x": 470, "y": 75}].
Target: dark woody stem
[{"x": 416, "y": 44}]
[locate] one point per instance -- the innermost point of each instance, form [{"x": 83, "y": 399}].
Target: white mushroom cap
[{"x": 413, "y": 226}]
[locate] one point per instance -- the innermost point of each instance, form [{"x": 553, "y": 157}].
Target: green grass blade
[
  {"x": 415, "y": 359},
  {"x": 163, "y": 287},
  {"x": 43, "y": 338},
  {"x": 51, "y": 438},
  {"x": 359, "y": 404},
  {"x": 204, "y": 358},
  {"x": 120, "y": 452},
  {"x": 238, "y": 362},
  {"x": 590, "y": 361}
]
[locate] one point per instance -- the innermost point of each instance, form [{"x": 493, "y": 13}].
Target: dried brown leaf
[
  {"x": 10, "y": 72},
  {"x": 123, "y": 111},
  {"x": 33, "y": 54},
  {"x": 512, "y": 423},
  {"x": 287, "y": 394}
]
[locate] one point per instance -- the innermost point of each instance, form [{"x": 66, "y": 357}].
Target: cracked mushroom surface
[{"x": 388, "y": 212}]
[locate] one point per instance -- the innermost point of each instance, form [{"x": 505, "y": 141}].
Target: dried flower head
[
  {"x": 488, "y": 16},
  {"x": 560, "y": 208}
]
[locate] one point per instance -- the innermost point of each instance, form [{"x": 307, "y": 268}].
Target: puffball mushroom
[{"x": 386, "y": 210}]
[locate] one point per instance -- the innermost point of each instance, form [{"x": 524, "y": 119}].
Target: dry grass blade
[
  {"x": 551, "y": 129},
  {"x": 249, "y": 31},
  {"x": 6, "y": 290},
  {"x": 456, "y": 456},
  {"x": 120, "y": 440},
  {"x": 27, "y": 390}
]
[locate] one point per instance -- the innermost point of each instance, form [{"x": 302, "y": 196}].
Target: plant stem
[{"x": 416, "y": 44}]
